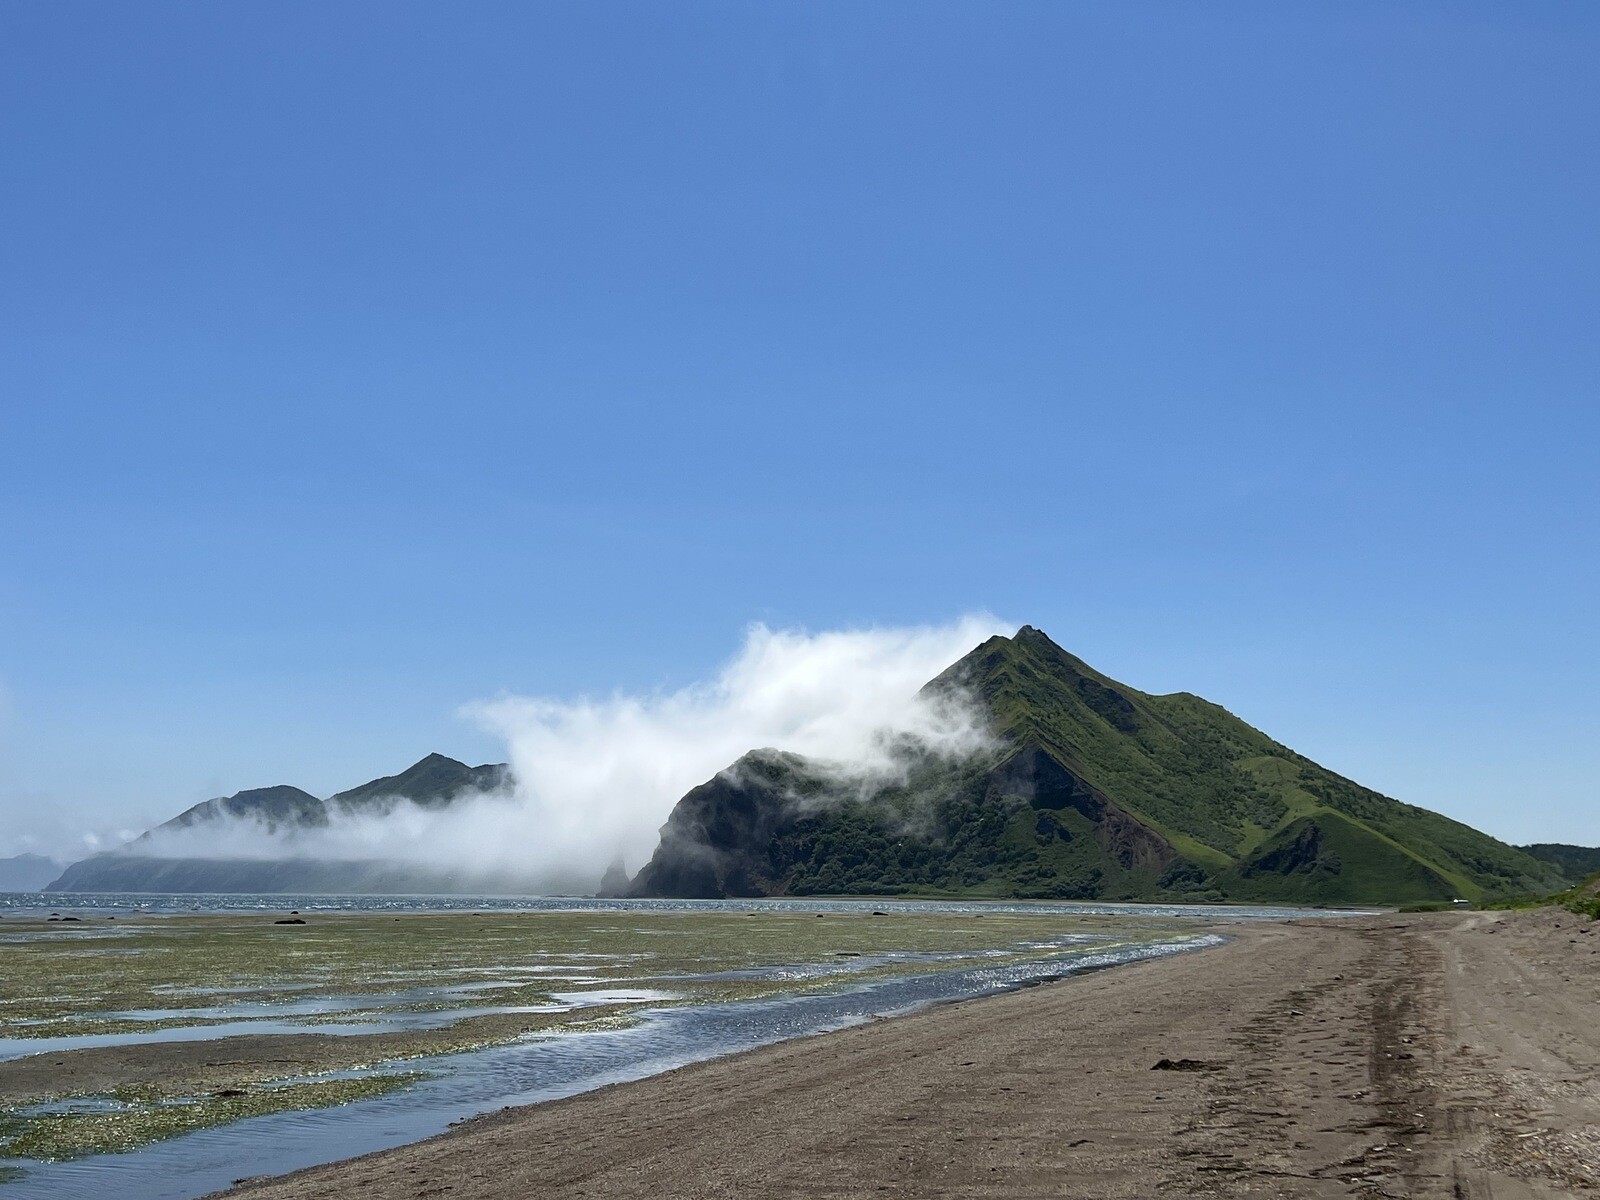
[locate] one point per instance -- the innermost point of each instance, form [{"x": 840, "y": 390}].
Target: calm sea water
[{"x": 112, "y": 904}]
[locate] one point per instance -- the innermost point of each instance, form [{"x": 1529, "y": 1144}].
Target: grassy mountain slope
[
  {"x": 1577, "y": 863},
  {"x": 1585, "y": 898},
  {"x": 1095, "y": 789}
]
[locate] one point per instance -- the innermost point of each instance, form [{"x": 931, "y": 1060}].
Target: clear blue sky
[{"x": 359, "y": 360}]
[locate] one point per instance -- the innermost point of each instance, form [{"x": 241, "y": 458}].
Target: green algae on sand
[
  {"x": 137, "y": 1121},
  {"x": 508, "y": 975}
]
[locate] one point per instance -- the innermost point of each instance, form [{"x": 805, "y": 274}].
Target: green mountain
[
  {"x": 1577, "y": 863},
  {"x": 1093, "y": 790},
  {"x": 280, "y": 812}
]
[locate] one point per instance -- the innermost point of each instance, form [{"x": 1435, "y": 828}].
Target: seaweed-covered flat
[{"x": 445, "y": 1014}]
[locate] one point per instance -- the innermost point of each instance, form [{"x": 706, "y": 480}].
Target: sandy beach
[{"x": 1453, "y": 1055}]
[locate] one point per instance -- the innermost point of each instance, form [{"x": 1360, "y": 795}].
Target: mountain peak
[
  {"x": 434, "y": 760},
  {"x": 431, "y": 782},
  {"x": 1017, "y": 679}
]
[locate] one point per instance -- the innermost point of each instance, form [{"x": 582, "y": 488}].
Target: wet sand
[{"x": 1448, "y": 1055}]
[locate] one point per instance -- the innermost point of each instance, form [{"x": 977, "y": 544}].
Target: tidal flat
[
  {"x": 118, "y": 1033},
  {"x": 1432, "y": 1056}
]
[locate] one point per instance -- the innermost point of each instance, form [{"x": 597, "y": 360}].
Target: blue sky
[{"x": 360, "y": 361}]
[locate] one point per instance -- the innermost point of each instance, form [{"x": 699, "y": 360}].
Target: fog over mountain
[
  {"x": 1090, "y": 789},
  {"x": 589, "y": 781},
  {"x": 27, "y": 872},
  {"x": 951, "y": 760}
]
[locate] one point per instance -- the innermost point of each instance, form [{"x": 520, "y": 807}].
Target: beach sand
[{"x": 1452, "y": 1055}]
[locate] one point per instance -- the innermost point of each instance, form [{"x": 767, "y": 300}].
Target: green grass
[
  {"x": 1584, "y": 899},
  {"x": 1339, "y": 848},
  {"x": 1577, "y": 863},
  {"x": 1203, "y": 778}
]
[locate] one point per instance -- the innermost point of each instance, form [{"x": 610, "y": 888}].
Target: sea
[{"x": 104, "y": 904}]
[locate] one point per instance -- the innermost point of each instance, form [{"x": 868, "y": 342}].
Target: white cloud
[{"x": 597, "y": 777}]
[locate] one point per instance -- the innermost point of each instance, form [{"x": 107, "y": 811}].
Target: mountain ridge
[
  {"x": 1094, "y": 790},
  {"x": 1578, "y": 863},
  {"x": 435, "y": 782}
]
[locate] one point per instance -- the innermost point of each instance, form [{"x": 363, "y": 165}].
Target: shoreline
[{"x": 1430, "y": 1055}]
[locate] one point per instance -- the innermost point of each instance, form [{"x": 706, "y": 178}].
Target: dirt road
[{"x": 1451, "y": 1055}]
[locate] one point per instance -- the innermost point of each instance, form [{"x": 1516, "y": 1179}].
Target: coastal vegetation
[{"x": 1583, "y": 899}]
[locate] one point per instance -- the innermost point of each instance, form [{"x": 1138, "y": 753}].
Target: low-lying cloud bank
[{"x": 596, "y": 778}]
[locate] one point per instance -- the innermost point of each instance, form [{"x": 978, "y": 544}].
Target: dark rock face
[
  {"x": 717, "y": 841},
  {"x": 1036, "y": 777},
  {"x": 1134, "y": 846}
]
